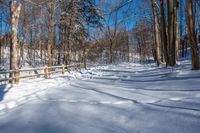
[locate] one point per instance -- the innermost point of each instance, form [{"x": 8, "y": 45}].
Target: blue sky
[{"x": 129, "y": 13}]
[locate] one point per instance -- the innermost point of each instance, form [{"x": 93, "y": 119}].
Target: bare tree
[
  {"x": 192, "y": 35},
  {"x": 23, "y": 32},
  {"x": 171, "y": 34},
  {"x": 50, "y": 31},
  {"x": 14, "y": 50},
  {"x": 156, "y": 33},
  {"x": 164, "y": 32}
]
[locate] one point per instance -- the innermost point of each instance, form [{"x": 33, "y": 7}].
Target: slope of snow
[{"x": 124, "y": 98}]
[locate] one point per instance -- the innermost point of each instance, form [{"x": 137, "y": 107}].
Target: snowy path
[{"x": 127, "y": 98}]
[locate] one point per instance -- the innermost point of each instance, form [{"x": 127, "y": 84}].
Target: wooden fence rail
[{"x": 14, "y": 75}]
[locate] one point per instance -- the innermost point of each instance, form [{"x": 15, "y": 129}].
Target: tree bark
[
  {"x": 14, "y": 49},
  {"x": 35, "y": 38},
  {"x": 30, "y": 50},
  {"x": 164, "y": 33},
  {"x": 50, "y": 32},
  {"x": 182, "y": 44},
  {"x": 176, "y": 28},
  {"x": 43, "y": 40},
  {"x": 156, "y": 33},
  {"x": 23, "y": 33},
  {"x": 171, "y": 35},
  {"x": 111, "y": 52},
  {"x": 192, "y": 36},
  {"x": 1, "y": 38}
]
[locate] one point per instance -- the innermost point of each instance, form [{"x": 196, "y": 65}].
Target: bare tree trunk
[
  {"x": 50, "y": 32},
  {"x": 23, "y": 33},
  {"x": 182, "y": 44},
  {"x": 54, "y": 48},
  {"x": 84, "y": 57},
  {"x": 164, "y": 33},
  {"x": 171, "y": 35},
  {"x": 191, "y": 34},
  {"x": 157, "y": 34},
  {"x": 176, "y": 28},
  {"x": 1, "y": 29},
  {"x": 128, "y": 48},
  {"x": 43, "y": 40},
  {"x": 111, "y": 52},
  {"x": 35, "y": 37},
  {"x": 198, "y": 29},
  {"x": 14, "y": 49},
  {"x": 59, "y": 55}
]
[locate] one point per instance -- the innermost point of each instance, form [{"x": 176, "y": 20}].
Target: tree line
[
  {"x": 176, "y": 27},
  {"x": 54, "y": 32}
]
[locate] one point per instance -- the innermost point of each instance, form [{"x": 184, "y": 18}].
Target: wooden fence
[{"x": 14, "y": 75}]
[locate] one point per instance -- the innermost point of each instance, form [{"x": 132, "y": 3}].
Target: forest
[
  {"x": 54, "y": 32},
  {"x": 99, "y": 66}
]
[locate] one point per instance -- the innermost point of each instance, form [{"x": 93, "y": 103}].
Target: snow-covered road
[{"x": 126, "y": 98}]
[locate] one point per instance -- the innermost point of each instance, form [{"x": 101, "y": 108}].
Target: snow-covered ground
[{"x": 124, "y": 98}]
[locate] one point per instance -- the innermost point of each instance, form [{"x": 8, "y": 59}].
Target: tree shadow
[{"x": 3, "y": 90}]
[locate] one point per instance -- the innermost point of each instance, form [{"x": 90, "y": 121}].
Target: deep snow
[{"x": 124, "y": 98}]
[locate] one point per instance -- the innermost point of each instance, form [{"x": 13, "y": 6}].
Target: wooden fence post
[
  {"x": 73, "y": 67},
  {"x": 17, "y": 76},
  {"x": 49, "y": 71},
  {"x": 63, "y": 69},
  {"x": 46, "y": 72},
  {"x": 12, "y": 76}
]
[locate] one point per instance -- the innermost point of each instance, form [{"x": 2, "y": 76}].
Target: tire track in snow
[
  {"x": 136, "y": 101},
  {"x": 87, "y": 101},
  {"x": 105, "y": 93},
  {"x": 175, "y": 107}
]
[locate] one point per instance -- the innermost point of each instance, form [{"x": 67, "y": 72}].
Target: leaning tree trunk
[
  {"x": 191, "y": 34},
  {"x": 156, "y": 33},
  {"x": 14, "y": 49}
]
